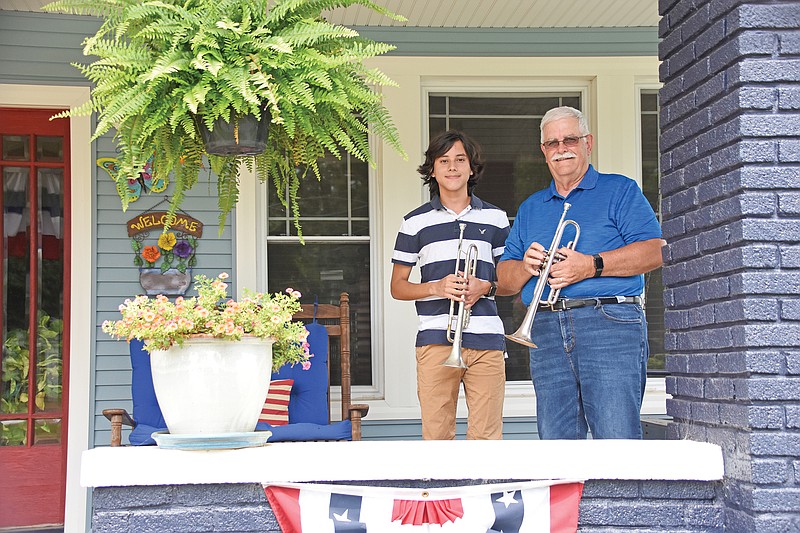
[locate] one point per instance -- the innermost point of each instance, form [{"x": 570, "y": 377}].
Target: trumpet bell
[
  {"x": 521, "y": 338},
  {"x": 454, "y": 360},
  {"x": 523, "y": 334}
]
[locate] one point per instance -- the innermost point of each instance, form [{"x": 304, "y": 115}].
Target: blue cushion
[
  {"x": 146, "y": 411},
  {"x": 140, "y": 436},
  {"x": 308, "y": 402},
  {"x": 303, "y": 431}
]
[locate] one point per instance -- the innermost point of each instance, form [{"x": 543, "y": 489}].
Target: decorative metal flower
[{"x": 175, "y": 251}]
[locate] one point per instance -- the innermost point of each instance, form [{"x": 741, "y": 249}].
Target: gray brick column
[{"x": 730, "y": 162}]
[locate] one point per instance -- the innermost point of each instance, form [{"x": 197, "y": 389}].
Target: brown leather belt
[{"x": 566, "y": 303}]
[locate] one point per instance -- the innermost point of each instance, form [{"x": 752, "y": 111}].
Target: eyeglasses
[{"x": 569, "y": 142}]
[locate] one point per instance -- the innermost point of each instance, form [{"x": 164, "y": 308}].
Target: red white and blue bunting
[{"x": 524, "y": 507}]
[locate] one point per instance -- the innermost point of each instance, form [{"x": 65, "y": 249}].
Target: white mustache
[{"x": 565, "y": 155}]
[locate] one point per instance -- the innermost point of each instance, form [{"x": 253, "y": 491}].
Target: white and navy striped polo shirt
[{"x": 429, "y": 237}]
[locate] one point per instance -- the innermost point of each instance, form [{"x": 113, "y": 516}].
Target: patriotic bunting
[{"x": 525, "y": 507}]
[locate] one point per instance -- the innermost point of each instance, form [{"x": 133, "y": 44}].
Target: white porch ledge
[{"x": 423, "y": 460}]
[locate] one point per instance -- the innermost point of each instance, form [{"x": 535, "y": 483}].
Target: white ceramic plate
[{"x": 221, "y": 441}]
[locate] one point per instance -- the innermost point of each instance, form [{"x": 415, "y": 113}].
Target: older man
[{"x": 589, "y": 366}]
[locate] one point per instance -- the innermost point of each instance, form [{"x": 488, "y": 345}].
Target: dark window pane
[
  {"x": 649, "y": 101},
  {"x": 328, "y": 196},
  {"x": 650, "y": 178},
  {"x": 359, "y": 188},
  {"x": 323, "y": 271},
  {"x": 437, "y": 105},
  {"x": 50, "y": 293},
  {"x": 326, "y": 228},
  {"x": 514, "y": 164},
  {"x": 278, "y": 228},
  {"x": 47, "y": 431},
  {"x": 437, "y": 126},
  {"x": 654, "y": 310},
  {"x": 512, "y": 311},
  {"x": 651, "y": 186},
  {"x": 15, "y": 148},
  {"x": 275, "y": 207},
  {"x": 342, "y": 192},
  {"x": 13, "y": 432},
  {"x": 14, "y": 385},
  {"x": 513, "y": 105},
  {"x": 360, "y": 227},
  {"x": 50, "y": 149},
  {"x": 17, "y": 246}
]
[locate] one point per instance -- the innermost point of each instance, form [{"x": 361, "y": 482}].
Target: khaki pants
[{"x": 437, "y": 388}]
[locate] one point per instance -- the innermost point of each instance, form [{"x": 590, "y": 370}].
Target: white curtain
[{"x": 16, "y": 212}]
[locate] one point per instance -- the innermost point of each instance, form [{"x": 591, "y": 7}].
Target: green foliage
[
  {"x": 14, "y": 390},
  {"x": 163, "y": 64},
  {"x": 162, "y": 323}
]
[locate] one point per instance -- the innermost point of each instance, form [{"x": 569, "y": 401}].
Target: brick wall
[
  {"x": 641, "y": 506},
  {"x": 730, "y": 162}
]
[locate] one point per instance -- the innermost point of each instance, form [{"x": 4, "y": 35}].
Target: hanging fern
[{"x": 164, "y": 64}]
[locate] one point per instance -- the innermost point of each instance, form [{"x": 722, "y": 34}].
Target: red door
[{"x": 34, "y": 330}]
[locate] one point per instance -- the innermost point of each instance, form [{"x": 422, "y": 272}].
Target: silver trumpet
[
  {"x": 461, "y": 318},
  {"x": 523, "y": 333}
]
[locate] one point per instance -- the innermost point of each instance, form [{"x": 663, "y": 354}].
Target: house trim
[
  {"x": 82, "y": 330},
  {"x": 539, "y": 42}
]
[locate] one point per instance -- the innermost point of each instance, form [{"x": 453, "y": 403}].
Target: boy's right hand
[{"x": 451, "y": 286}]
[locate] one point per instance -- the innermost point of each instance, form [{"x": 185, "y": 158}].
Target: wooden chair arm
[
  {"x": 117, "y": 417},
  {"x": 357, "y": 412}
]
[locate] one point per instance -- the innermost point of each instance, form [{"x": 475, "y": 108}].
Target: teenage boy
[{"x": 429, "y": 237}]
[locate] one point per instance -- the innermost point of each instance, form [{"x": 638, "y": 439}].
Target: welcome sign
[{"x": 151, "y": 220}]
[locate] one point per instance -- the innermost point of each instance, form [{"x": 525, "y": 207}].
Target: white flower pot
[{"x": 212, "y": 386}]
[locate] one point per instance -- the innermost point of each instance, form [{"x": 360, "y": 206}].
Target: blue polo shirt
[{"x": 611, "y": 212}]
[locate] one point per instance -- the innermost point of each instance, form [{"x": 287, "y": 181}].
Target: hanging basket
[{"x": 243, "y": 135}]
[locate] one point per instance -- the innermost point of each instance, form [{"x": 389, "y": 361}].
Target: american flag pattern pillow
[{"x": 275, "y": 411}]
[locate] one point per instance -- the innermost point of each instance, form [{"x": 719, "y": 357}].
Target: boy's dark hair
[{"x": 439, "y": 146}]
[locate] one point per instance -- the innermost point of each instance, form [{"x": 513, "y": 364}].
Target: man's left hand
[
  {"x": 476, "y": 289},
  {"x": 572, "y": 268}
]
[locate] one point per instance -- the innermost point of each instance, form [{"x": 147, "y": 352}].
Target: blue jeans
[{"x": 589, "y": 371}]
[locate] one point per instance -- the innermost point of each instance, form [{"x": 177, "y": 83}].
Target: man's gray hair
[{"x": 557, "y": 113}]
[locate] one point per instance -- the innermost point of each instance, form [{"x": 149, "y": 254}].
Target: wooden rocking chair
[{"x": 336, "y": 320}]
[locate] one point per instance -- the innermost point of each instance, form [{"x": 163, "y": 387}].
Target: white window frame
[{"x": 253, "y": 206}]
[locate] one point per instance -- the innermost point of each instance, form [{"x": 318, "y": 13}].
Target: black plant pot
[{"x": 243, "y": 135}]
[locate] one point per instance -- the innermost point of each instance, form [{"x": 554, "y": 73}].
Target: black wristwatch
[
  {"x": 492, "y": 290},
  {"x": 598, "y": 265}
]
